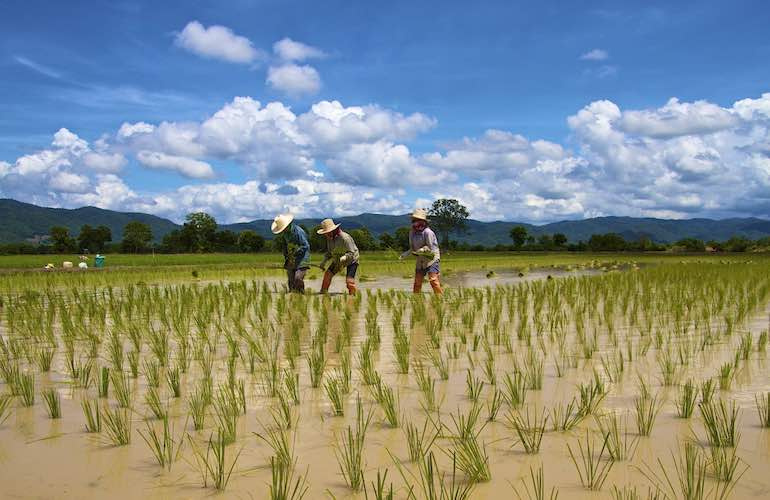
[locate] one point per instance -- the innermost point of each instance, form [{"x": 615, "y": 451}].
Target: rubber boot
[
  {"x": 351, "y": 284},
  {"x": 435, "y": 283},
  {"x": 418, "y": 278},
  {"x": 327, "y": 281}
]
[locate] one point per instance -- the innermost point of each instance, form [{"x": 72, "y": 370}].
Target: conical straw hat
[
  {"x": 327, "y": 226},
  {"x": 420, "y": 213},
  {"x": 281, "y": 222}
]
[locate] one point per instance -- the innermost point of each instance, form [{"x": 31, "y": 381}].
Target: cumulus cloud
[
  {"x": 294, "y": 80},
  {"x": 188, "y": 167},
  {"x": 290, "y": 50},
  {"x": 681, "y": 159},
  {"x": 595, "y": 55},
  {"x": 217, "y": 42}
]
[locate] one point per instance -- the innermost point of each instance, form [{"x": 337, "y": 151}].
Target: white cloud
[
  {"x": 186, "y": 166},
  {"x": 217, "y": 42},
  {"x": 294, "y": 80},
  {"x": 44, "y": 70},
  {"x": 290, "y": 50},
  {"x": 595, "y": 55},
  {"x": 678, "y": 118}
]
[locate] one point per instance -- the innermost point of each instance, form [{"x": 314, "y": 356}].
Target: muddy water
[{"x": 43, "y": 458}]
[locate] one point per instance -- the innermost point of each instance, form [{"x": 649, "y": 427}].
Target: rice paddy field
[{"x": 533, "y": 376}]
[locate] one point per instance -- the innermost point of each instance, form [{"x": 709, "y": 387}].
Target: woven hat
[
  {"x": 281, "y": 222},
  {"x": 420, "y": 213},
  {"x": 327, "y": 226}
]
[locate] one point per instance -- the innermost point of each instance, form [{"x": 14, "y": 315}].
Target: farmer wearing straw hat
[
  {"x": 296, "y": 250},
  {"x": 423, "y": 244},
  {"x": 341, "y": 251}
]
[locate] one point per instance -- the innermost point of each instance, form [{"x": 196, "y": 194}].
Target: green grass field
[{"x": 23, "y": 272}]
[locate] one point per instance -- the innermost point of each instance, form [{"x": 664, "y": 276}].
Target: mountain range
[{"x": 21, "y": 222}]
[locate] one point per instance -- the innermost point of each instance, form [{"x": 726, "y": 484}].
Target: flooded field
[{"x": 595, "y": 384}]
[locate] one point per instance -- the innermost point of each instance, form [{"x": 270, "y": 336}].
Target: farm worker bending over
[
  {"x": 423, "y": 244},
  {"x": 296, "y": 250},
  {"x": 341, "y": 251}
]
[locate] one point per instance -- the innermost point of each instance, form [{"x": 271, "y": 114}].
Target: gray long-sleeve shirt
[
  {"x": 344, "y": 241},
  {"x": 424, "y": 240}
]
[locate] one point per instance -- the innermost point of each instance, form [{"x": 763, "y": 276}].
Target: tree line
[{"x": 200, "y": 233}]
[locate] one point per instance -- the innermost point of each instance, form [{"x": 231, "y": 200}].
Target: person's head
[
  {"x": 281, "y": 222},
  {"x": 419, "y": 219},
  {"x": 329, "y": 229}
]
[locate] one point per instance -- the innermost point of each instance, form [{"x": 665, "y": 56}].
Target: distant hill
[{"x": 25, "y": 222}]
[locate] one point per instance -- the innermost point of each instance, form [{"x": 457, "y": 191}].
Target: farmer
[
  {"x": 424, "y": 245},
  {"x": 296, "y": 251},
  {"x": 338, "y": 243}
]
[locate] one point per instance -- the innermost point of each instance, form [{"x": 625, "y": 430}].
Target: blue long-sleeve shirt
[{"x": 296, "y": 235}]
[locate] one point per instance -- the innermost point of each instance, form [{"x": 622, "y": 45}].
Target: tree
[
  {"x": 94, "y": 239},
  {"x": 250, "y": 242},
  {"x": 402, "y": 238},
  {"x": 199, "y": 230},
  {"x": 545, "y": 241},
  {"x": 448, "y": 216},
  {"x": 225, "y": 241},
  {"x": 691, "y": 245},
  {"x": 559, "y": 239},
  {"x": 387, "y": 241},
  {"x": 519, "y": 236},
  {"x": 136, "y": 237},
  {"x": 610, "y": 242},
  {"x": 364, "y": 239},
  {"x": 62, "y": 241}
]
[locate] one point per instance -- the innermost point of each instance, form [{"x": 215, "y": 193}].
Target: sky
[{"x": 523, "y": 111}]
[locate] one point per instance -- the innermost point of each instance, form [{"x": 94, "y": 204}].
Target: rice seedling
[
  {"x": 52, "y": 402},
  {"x": 152, "y": 400},
  {"x": 593, "y": 468},
  {"x": 152, "y": 373},
  {"x": 646, "y": 407},
  {"x": 349, "y": 450},
  {"x": 277, "y": 438},
  {"x": 707, "y": 390},
  {"x": 389, "y": 402},
  {"x": 439, "y": 363},
  {"x": 533, "y": 370},
  {"x": 121, "y": 389},
  {"x": 620, "y": 445},
  {"x": 133, "y": 363},
  {"x": 45, "y": 358},
  {"x": 335, "y": 395},
  {"x": 433, "y": 484},
  {"x": 688, "y": 481},
  {"x": 565, "y": 417},
  {"x": 173, "y": 381},
  {"x": 668, "y": 369},
  {"x": 685, "y": 403},
  {"x": 117, "y": 424},
  {"x": 5, "y": 407},
  {"x": 494, "y": 404},
  {"x": 473, "y": 386},
  {"x": 591, "y": 396},
  {"x": 628, "y": 492},
  {"x": 762, "y": 342},
  {"x": 25, "y": 388},
  {"x": 538, "y": 491},
  {"x": 380, "y": 491},
  {"x": 164, "y": 447},
  {"x": 316, "y": 362},
  {"x": 92, "y": 414},
  {"x": 226, "y": 411},
  {"x": 284, "y": 486},
  {"x": 401, "y": 348},
  {"x": 197, "y": 406},
  {"x": 726, "y": 376},
  {"x": 103, "y": 382},
  {"x": 471, "y": 458},
  {"x": 721, "y": 423},
  {"x": 214, "y": 462},
  {"x": 529, "y": 429},
  {"x": 419, "y": 441},
  {"x": 515, "y": 389},
  {"x": 427, "y": 386},
  {"x": 489, "y": 365},
  {"x": 724, "y": 464},
  {"x": 763, "y": 409}
]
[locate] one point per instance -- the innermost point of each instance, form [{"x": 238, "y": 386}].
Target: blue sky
[{"x": 524, "y": 111}]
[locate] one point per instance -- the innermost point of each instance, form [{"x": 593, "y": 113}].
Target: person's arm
[
  {"x": 351, "y": 253},
  {"x": 432, "y": 244},
  {"x": 303, "y": 245}
]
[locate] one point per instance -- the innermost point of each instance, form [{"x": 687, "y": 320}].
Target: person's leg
[
  {"x": 326, "y": 282},
  {"x": 419, "y": 276},
  {"x": 435, "y": 284},
  {"x": 290, "y": 278},
  {"x": 299, "y": 280},
  {"x": 350, "y": 278}
]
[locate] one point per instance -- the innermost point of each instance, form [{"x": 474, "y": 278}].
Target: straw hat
[
  {"x": 420, "y": 213},
  {"x": 327, "y": 226},
  {"x": 281, "y": 222}
]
